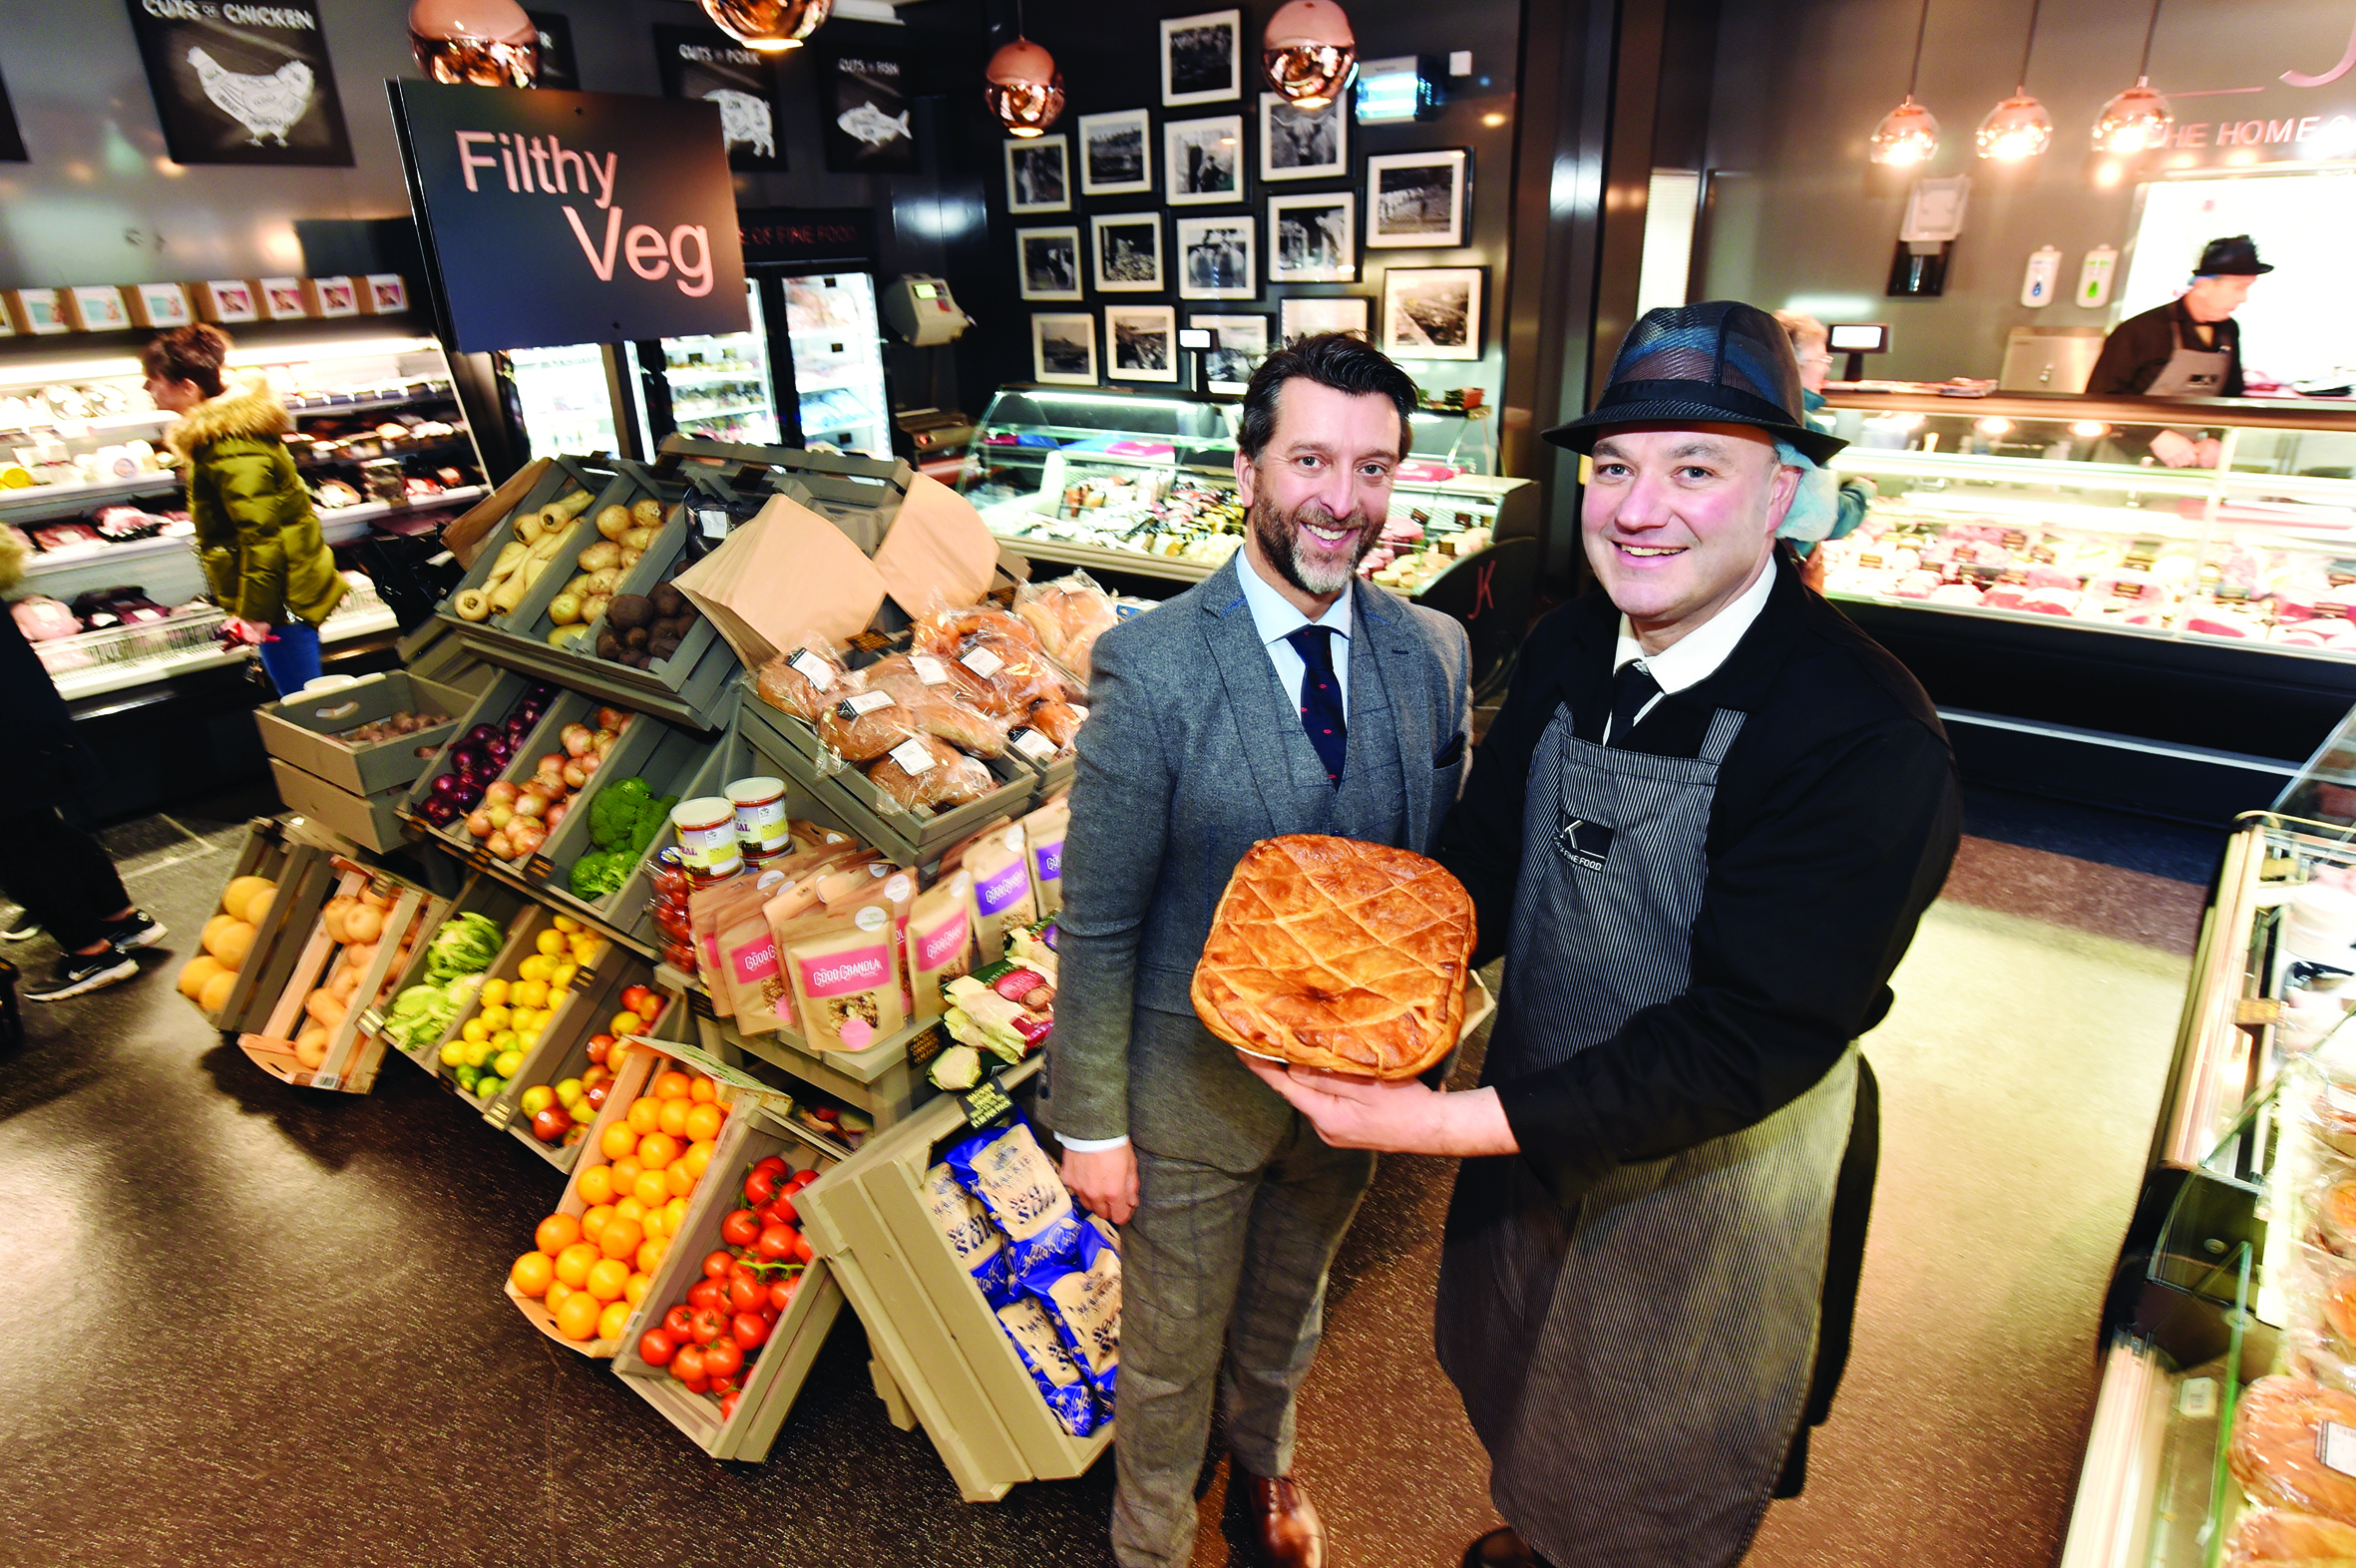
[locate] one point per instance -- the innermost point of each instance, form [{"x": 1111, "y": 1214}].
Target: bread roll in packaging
[
  {"x": 2280, "y": 1538},
  {"x": 999, "y": 864},
  {"x": 2295, "y": 1445},
  {"x": 939, "y": 942},
  {"x": 846, "y": 978},
  {"x": 1042, "y": 834}
]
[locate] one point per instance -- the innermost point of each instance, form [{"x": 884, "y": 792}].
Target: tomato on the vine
[
  {"x": 741, "y": 1228},
  {"x": 716, "y": 1262},
  {"x": 780, "y": 1210},
  {"x": 777, "y": 1242},
  {"x": 746, "y": 1294},
  {"x": 707, "y": 1292},
  {"x": 775, "y": 1165},
  {"x": 749, "y": 1330},
  {"x": 656, "y": 1347},
  {"x": 760, "y": 1187},
  {"x": 781, "y": 1291},
  {"x": 679, "y": 1321},
  {"x": 727, "y": 1404},
  {"x": 722, "y": 1359},
  {"x": 687, "y": 1366},
  {"x": 803, "y": 1251},
  {"x": 800, "y": 1179},
  {"x": 711, "y": 1322},
  {"x": 770, "y": 1312}
]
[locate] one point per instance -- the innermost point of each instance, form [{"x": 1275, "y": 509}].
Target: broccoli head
[
  {"x": 615, "y": 810},
  {"x": 601, "y": 873},
  {"x": 651, "y": 816}
]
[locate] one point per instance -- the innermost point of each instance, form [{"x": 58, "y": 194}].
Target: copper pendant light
[
  {"x": 2019, "y": 126},
  {"x": 1021, "y": 85},
  {"x": 1309, "y": 52},
  {"x": 769, "y": 25},
  {"x": 1908, "y": 135},
  {"x": 2139, "y": 119},
  {"x": 475, "y": 43}
]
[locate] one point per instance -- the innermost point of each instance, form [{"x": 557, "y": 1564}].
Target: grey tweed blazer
[{"x": 1185, "y": 763}]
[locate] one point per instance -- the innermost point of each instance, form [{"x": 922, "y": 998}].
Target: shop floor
[{"x": 248, "y": 1324}]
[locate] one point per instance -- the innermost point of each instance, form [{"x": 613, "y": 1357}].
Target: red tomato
[
  {"x": 776, "y": 1244},
  {"x": 743, "y": 1269},
  {"x": 802, "y": 1249},
  {"x": 716, "y": 1262},
  {"x": 696, "y": 1384},
  {"x": 741, "y": 1228},
  {"x": 760, "y": 1187},
  {"x": 800, "y": 1179},
  {"x": 687, "y": 1364},
  {"x": 707, "y": 1292},
  {"x": 679, "y": 1321},
  {"x": 656, "y": 1347},
  {"x": 771, "y": 1312},
  {"x": 781, "y": 1291},
  {"x": 727, "y": 1404},
  {"x": 749, "y": 1330},
  {"x": 746, "y": 1294},
  {"x": 781, "y": 1211},
  {"x": 722, "y": 1359},
  {"x": 724, "y": 1386},
  {"x": 711, "y": 1322},
  {"x": 775, "y": 1165}
]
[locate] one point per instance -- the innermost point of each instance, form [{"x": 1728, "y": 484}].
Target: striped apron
[{"x": 1636, "y": 1365}]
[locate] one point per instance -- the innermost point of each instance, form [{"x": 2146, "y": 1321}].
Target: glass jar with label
[
  {"x": 708, "y": 848},
  {"x": 761, "y": 829}
]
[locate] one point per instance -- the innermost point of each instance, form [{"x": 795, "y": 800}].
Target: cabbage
[{"x": 466, "y": 945}]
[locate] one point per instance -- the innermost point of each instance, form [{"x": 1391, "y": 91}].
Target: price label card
[
  {"x": 2335, "y": 1445},
  {"x": 812, "y": 668},
  {"x": 333, "y": 1080},
  {"x": 540, "y": 868},
  {"x": 1031, "y": 744},
  {"x": 2196, "y": 1400},
  {"x": 929, "y": 669},
  {"x": 864, "y": 702},
  {"x": 925, "y": 1046},
  {"x": 372, "y": 1023},
  {"x": 479, "y": 858},
  {"x": 986, "y": 1103},
  {"x": 911, "y": 757},
  {"x": 870, "y": 641},
  {"x": 983, "y": 662}
]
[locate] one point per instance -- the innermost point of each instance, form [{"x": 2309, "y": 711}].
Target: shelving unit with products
[
  {"x": 830, "y": 322},
  {"x": 718, "y": 386}
]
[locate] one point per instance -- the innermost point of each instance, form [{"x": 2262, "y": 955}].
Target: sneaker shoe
[
  {"x": 25, "y": 933},
  {"x": 142, "y": 930},
  {"x": 79, "y": 972}
]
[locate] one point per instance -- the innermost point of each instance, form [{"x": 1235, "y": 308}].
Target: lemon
[
  {"x": 555, "y": 998},
  {"x": 493, "y": 992},
  {"x": 532, "y": 993},
  {"x": 562, "y": 977},
  {"x": 508, "y": 1064},
  {"x": 505, "y": 1040},
  {"x": 454, "y": 1053},
  {"x": 473, "y": 1029},
  {"x": 495, "y": 1018},
  {"x": 473, "y": 1055},
  {"x": 550, "y": 943},
  {"x": 566, "y": 923}
]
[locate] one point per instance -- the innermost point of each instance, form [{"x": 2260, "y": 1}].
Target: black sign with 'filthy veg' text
[{"x": 570, "y": 217}]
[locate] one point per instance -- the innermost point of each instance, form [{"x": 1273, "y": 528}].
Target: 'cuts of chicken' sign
[{"x": 538, "y": 165}]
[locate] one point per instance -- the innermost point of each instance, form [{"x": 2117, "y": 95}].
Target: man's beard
[{"x": 1279, "y": 535}]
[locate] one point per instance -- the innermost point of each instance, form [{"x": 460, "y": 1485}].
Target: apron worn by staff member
[
  {"x": 1636, "y": 1365},
  {"x": 2192, "y": 372}
]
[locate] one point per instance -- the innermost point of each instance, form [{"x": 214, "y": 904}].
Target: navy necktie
[
  {"x": 1321, "y": 697},
  {"x": 1632, "y": 688}
]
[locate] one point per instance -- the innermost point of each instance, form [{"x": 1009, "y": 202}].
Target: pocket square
[{"x": 1449, "y": 756}]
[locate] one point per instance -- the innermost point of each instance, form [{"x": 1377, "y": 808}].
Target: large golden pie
[{"x": 1327, "y": 952}]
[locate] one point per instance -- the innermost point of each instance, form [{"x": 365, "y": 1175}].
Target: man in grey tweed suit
[{"x": 1280, "y": 696}]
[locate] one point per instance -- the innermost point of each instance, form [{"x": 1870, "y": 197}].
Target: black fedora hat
[
  {"x": 1721, "y": 362},
  {"x": 2236, "y": 255}
]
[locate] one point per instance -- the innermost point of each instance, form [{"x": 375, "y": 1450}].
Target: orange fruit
[
  {"x": 703, "y": 1123},
  {"x": 555, "y": 1233},
  {"x": 557, "y": 1289},
  {"x": 703, "y": 1089},
  {"x": 620, "y": 1237},
  {"x": 673, "y": 1085},
  {"x": 635, "y": 1288},
  {"x": 645, "y": 1115},
  {"x": 605, "y": 1278},
  {"x": 597, "y": 1184},
  {"x": 679, "y": 1178},
  {"x": 626, "y": 1169},
  {"x": 577, "y": 1319},
  {"x": 617, "y": 1141},
  {"x": 657, "y": 1149},
  {"x": 653, "y": 1189},
  {"x": 596, "y": 1220},
  {"x": 699, "y": 1157},
  {"x": 651, "y": 1253},
  {"x": 533, "y": 1273},
  {"x": 627, "y": 1207},
  {"x": 574, "y": 1262},
  {"x": 611, "y": 1321},
  {"x": 674, "y": 1215},
  {"x": 657, "y": 1224},
  {"x": 672, "y": 1118}
]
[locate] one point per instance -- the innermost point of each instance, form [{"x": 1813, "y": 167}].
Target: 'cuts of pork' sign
[{"x": 538, "y": 164}]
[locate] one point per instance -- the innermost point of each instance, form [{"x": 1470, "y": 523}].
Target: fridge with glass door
[
  {"x": 719, "y": 387},
  {"x": 564, "y": 400},
  {"x": 837, "y": 361}
]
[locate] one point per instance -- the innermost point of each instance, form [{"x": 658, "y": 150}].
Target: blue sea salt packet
[
  {"x": 967, "y": 1229},
  {"x": 1061, "y": 1383},
  {"x": 1081, "y": 1294},
  {"x": 1011, "y": 1177}
]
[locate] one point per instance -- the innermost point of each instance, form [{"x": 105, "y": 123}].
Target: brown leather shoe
[
  {"x": 1285, "y": 1524},
  {"x": 1501, "y": 1549}
]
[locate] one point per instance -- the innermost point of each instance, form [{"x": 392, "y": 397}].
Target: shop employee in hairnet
[
  {"x": 1703, "y": 830},
  {"x": 2189, "y": 347}
]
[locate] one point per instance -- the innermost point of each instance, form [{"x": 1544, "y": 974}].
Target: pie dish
[{"x": 1332, "y": 953}]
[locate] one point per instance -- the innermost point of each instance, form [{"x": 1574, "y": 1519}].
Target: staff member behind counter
[{"x": 2189, "y": 347}]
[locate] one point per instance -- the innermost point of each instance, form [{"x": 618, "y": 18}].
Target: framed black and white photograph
[
  {"x": 1116, "y": 155},
  {"x": 1304, "y": 144},
  {"x": 1039, "y": 175},
  {"x": 1238, "y": 345},
  {"x": 1416, "y": 201},
  {"x": 1142, "y": 342},
  {"x": 1313, "y": 239},
  {"x": 1047, "y": 261},
  {"x": 1202, "y": 58},
  {"x": 869, "y": 113},
  {"x": 1128, "y": 252},
  {"x": 238, "y": 88},
  {"x": 1431, "y": 312},
  {"x": 1216, "y": 259},
  {"x": 705, "y": 63},
  {"x": 1298, "y": 318},
  {"x": 1064, "y": 349},
  {"x": 1203, "y": 160}
]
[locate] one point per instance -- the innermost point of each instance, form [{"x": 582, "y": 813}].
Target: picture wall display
[
  {"x": 870, "y": 117},
  {"x": 1202, "y": 58},
  {"x": 1064, "y": 349},
  {"x": 1117, "y": 153},
  {"x": 1431, "y": 312},
  {"x": 1304, "y": 144},
  {"x": 1048, "y": 261},
  {"x": 705, "y": 63},
  {"x": 1238, "y": 344},
  {"x": 1128, "y": 250},
  {"x": 1204, "y": 160},
  {"x": 1216, "y": 259},
  {"x": 1416, "y": 201},
  {"x": 1298, "y": 318},
  {"x": 1039, "y": 175},
  {"x": 1142, "y": 342},
  {"x": 242, "y": 84},
  {"x": 1313, "y": 239}
]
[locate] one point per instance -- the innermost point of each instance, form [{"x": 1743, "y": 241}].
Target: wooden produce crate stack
[
  {"x": 352, "y": 1056},
  {"x": 576, "y": 483},
  {"x": 302, "y": 876},
  {"x": 356, "y": 790},
  {"x": 511, "y": 910},
  {"x": 561, "y": 1051},
  {"x": 886, "y": 1081}
]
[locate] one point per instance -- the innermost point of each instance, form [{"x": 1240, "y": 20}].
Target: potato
[
  {"x": 630, "y": 556},
  {"x": 613, "y": 520},
  {"x": 197, "y": 971},
  {"x": 647, "y": 512},
  {"x": 565, "y": 609},
  {"x": 578, "y": 584},
  {"x": 601, "y": 585},
  {"x": 605, "y": 552},
  {"x": 641, "y": 539},
  {"x": 215, "y": 995},
  {"x": 593, "y": 607},
  {"x": 566, "y": 636}
]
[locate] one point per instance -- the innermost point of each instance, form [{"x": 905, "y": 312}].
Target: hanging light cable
[
  {"x": 2019, "y": 126},
  {"x": 1908, "y": 134},
  {"x": 1021, "y": 85},
  {"x": 2139, "y": 119}
]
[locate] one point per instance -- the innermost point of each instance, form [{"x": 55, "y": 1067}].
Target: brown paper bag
[
  {"x": 938, "y": 550},
  {"x": 783, "y": 577}
]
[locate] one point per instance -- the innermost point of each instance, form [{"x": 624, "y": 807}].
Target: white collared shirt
[
  {"x": 1274, "y": 618},
  {"x": 1694, "y": 658}
]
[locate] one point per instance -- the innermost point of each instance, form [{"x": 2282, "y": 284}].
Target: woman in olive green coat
[{"x": 256, "y": 534}]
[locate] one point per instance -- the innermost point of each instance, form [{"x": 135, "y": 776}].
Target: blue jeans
[{"x": 292, "y": 661}]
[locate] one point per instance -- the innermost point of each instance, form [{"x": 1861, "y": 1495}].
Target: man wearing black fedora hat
[
  {"x": 2189, "y": 347},
  {"x": 1702, "y": 829}
]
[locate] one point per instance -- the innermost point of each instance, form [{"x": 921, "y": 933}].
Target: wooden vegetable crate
[
  {"x": 567, "y": 707},
  {"x": 758, "y": 1126},
  {"x": 861, "y": 496},
  {"x": 564, "y": 477},
  {"x": 303, "y": 875},
  {"x": 522, "y": 943},
  {"x": 665, "y": 556},
  {"x": 886, "y": 1081},
  {"x": 351, "y": 1056},
  {"x": 562, "y": 1049},
  {"x": 942, "y": 1357},
  {"x": 511, "y": 910}
]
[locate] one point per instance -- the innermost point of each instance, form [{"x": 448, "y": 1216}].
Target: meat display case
[{"x": 2091, "y": 622}]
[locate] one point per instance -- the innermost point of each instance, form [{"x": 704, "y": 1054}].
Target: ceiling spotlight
[
  {"x": 1908, "y": 135},
  {"x": 769, "y": 25},
  {"x": 1024, "y": 88},
  {"x": 2137, "y": 120},
  {"x": 2019, "y": 126},
  {"x": 1309, "y": 52}
]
